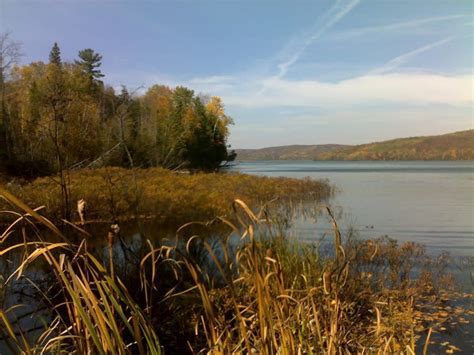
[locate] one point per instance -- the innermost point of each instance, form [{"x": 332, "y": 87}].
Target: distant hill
[
  {"x": 452, "y": 146},
  {"x": 287, "y": 152}
]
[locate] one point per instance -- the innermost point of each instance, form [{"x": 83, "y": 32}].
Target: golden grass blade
[
  {"x": 13, "y": 200},
  {"x": 427, "y": 342}
]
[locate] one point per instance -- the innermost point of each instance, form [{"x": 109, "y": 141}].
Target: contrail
[
  {"x": 335, "y": 14},
  {"x": 402, "y": 59},
  {"x": 356, "y": 32}
]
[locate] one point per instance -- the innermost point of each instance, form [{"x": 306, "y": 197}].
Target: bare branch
[{"x": 10, "y": 53}]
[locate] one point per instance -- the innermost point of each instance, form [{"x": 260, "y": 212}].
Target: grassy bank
[
  {"x": 166, "y": 196},
  {"x": 261, "y": 294}
]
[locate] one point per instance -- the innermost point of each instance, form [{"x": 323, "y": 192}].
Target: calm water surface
[{"x": 426, "y": 202}]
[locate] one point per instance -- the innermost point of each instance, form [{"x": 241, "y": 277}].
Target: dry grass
[
  {"x": 91, "y": 311},
  {"x": 249, "y": 293},
  {"x": 166, "y": 196},
  {"x": 274, "y": 296}
]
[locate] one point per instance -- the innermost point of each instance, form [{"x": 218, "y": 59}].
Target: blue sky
[{"x": 289, "y": 72}]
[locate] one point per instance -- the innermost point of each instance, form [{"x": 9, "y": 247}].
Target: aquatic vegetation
[
  {"x": 251, "y": 292},
  {"x": 165, "y": 196}
]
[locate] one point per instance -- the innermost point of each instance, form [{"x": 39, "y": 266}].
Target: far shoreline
[{"x": 447, "y": 147}]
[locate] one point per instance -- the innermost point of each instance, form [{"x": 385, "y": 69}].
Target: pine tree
[
  {"x": 90, "y": 62},
  {"x": 55, "y": 54}
]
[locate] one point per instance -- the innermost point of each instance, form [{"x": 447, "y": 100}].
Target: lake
[{"x": 426, "y": 202}]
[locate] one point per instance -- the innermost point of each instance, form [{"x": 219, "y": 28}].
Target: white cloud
[
  {"x": 401, "y": 88},
  {"x": 347, "y": 126},
  {"x": 214, "y": 79}
]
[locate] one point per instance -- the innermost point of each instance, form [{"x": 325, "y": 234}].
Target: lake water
[{"x": 426, "y": 202}]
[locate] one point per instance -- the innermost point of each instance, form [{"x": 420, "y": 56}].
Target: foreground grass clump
[
  {"x": 253, "y": 292},
  {"x": 271, "y": 295},
  {"x": 168, "y": 197},
  {"x": 90, "y": 310}
]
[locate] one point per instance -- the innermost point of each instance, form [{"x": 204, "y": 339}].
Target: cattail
[
  {"x": 327, "y": 282},
  {"x": 115, "y": 228},
  {"x": 81, "y": 210},
  {"x": 113, "y": 231}
]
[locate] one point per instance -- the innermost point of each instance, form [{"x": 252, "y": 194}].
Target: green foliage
[
  {"x": 58, "y": 116},
  {"x": 90, "y": 63},
  {"x": 55, "y": 55},
  {"x": 56, "y": 124}
]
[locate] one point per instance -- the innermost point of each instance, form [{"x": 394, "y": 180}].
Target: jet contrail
[
  {"x": 335, "y": 14},
  {"x": 402, "y": 59}
]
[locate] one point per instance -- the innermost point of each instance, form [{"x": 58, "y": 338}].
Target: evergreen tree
[
  {"x": 55, "y": 54},
  {"x": 90, "y": 62}
]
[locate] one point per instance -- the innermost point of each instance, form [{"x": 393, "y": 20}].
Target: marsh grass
[
  {"x": 278, "y": 296},
  {"x": 249, "y": 292},
  {"x": 91, "y": 311},
  {"x": 165, "y": 196}
]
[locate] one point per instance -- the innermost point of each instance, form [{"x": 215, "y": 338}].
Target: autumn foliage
[{"x": 60, "y": 115}]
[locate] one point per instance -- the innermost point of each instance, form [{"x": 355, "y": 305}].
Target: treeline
[
  {"x": 451, "y": 146},
  {"x": 61, "y": 115}
]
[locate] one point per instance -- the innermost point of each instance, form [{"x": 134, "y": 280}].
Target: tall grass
[
  {"x": 252, "y": 292},
  {"x": 163, "y": 195},
  {"x": 275, "y": 296},
  {"x": 91, "y": 311}
]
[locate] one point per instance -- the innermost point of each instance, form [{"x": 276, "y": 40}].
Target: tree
[
  {"x": 188, "y": 133},
  {"x": 9, "y": 55},
  {"x": 55, "y": 55},
  {"x": 128, "y": 117},
  {"x": 206, "y": 147},
  {"x": 56, "y": 99},
  {"x": 90, "y": 63},
  {"x": 157, "y": 128}
]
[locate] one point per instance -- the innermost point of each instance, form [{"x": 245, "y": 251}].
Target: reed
[
  {"x": 252, "y": 292},
  {"x": 162, "y": 195},
  {"x": 272, "y": 295},
  {"x": 275, "y": 297},
  {"x": 91, "y": 311}
]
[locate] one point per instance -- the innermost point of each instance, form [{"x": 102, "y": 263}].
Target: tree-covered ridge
[
  {"x": 61, "y": 115},
  {"x": 452, "y": 146},
  {"x": 286, "y": 152}
]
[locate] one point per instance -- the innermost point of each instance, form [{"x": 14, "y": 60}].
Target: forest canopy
[{"x": 61, "y": 115}]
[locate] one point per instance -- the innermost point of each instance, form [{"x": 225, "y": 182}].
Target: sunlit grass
[
  {"x": 252, "y": 292},
  {"x": 166, "y": 196},
  {"x": 92, "y": 312}
]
